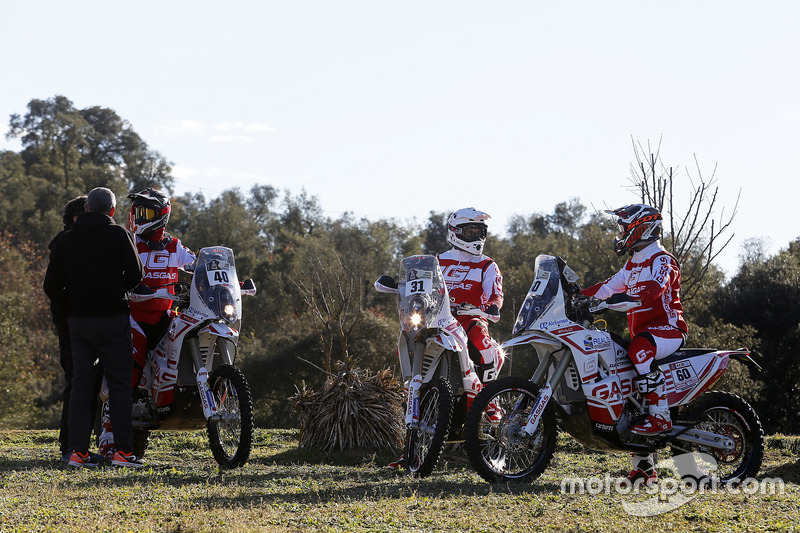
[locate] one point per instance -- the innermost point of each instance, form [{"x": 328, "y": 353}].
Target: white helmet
[{"x": 466, "y": 230}]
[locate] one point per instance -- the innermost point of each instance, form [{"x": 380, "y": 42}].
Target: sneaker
[
  {"x": 638, "y": 476},
  {"x": 652, "y": 425},
  {"x": 397, "y": 465},
  {"x": 126, "y": 460},
  {"x": 84, "y": 459}
]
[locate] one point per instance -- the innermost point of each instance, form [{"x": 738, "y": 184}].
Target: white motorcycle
[
  {"x": 434, "y": 360},
  {"x": 189, "y": 379},
  {"x": 585, "y": 376}
]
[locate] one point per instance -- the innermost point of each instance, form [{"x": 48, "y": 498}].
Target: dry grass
[{"x": 284, "y": 488}]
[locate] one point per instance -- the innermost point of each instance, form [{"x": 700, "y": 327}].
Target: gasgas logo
[
  {"x": 606, "y": 391},
  {"x": 456, "y": 273},
  {"x": 455, "y": 276}
]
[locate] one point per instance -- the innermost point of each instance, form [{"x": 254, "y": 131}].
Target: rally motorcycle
[
  {"x": 189, "y": 380},
  {"x": 434, "y": 360},
  {"x": 586, "y": 378}
]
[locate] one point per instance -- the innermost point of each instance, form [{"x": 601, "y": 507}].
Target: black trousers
[
  {"x": 65, "y": 358},
  {"x": 109, "y": 340}
]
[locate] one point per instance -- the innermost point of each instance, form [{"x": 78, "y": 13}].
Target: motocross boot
[
  {"x": 644, "y": 470},
  {"x": 106, "y": 440},
  {"x": 658, "y": 419},
  {"x": 397, "y": 465}
]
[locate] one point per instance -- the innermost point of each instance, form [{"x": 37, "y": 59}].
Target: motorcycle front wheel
[
  {"x": 732, "y": 417},
  {"x": 496, "y": 445},
  {"x": 424, "y": 444},
  {"x": 231, "y": 435}
]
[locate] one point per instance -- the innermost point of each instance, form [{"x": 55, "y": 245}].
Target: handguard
[
  {"x": 621, "y": 302},
  {"x": 386, "y": 284},
  {"x": 466, "y": 309},
  {"x": 142, "y": 293}
]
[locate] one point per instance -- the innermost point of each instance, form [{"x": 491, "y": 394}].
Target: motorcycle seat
[{"x": 683, "y": 354}]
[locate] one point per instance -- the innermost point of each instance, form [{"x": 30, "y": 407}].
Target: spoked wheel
[
  {"x": 497, "y": 447},
  {"x": 231, "y": 435},
  {"x": 424, "y": 444},
  {"x": 731, "y": 417}
]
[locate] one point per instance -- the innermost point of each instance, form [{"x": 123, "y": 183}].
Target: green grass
[{"x": 283, "y": 488}]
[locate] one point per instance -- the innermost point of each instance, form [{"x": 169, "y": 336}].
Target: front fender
[
  {"x": 529, "y": 338},
  {"x": 449, "y": 342},
  {"x": 220, "y": 330}
]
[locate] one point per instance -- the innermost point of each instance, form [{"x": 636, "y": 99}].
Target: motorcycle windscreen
[
  {"x": 544, "y": 289},
  {"x": 217, "y": 283},
  {"x": 421, "y": 291}
]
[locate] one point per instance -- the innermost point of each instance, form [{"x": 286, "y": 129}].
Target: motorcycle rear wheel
[
  {"x": 498, "y": 449},
  {"x": 424, "y": 445},
  {"x": 231, "y": 437},
  {"x": 729, "y": 415}
]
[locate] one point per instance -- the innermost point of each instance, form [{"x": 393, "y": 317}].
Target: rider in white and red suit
[
  {"x": 162, "y": 255},
  {"x": 473, "y": 278},
  {"x": 651, "y": 277}
]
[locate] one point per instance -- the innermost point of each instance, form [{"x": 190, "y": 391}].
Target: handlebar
[
  {"x": 143, "y": 293},
  {"x": 471, "y": 310},
  {"x": 617, "y": 302}
]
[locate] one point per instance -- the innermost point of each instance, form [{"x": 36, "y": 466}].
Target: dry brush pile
[{"x": 354, "y": 410}]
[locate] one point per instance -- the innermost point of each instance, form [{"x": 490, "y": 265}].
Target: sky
[{"x": 390, "y": 109}]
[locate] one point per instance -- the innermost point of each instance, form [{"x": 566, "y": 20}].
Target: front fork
[
  {"x": 206, "y": 395},
  {"x": 546, "y": 392},
  {"x": 412, "y": 402}
]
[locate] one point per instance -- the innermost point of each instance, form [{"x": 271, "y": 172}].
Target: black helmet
[
  {"x": 150, "y": 211},
  {"x": 638, "y": 224}
]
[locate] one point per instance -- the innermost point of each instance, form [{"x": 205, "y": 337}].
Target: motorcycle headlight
[
  {"x": 417, "y": 315},
  {"x": 227, "y": 305}
]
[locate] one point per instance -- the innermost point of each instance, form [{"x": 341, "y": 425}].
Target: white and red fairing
[
  {"x": 607, "y": 374},
  {"x": 164, "y": 364}
]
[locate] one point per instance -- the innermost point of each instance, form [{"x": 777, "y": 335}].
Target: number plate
[
  {"x": 419, "y": 282},
  {"x": 218, "y": 273},
  {"x": 683, "y": 375},
  {"x": 540, "y": 284}
]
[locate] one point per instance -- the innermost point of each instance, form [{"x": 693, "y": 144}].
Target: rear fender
[{"x": 743, "y": 356}]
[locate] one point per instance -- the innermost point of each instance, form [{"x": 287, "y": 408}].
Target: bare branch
[{"x": 694, "y": 228}]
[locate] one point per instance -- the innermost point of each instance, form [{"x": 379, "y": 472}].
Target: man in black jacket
[
  {"x": 72, "y": 210},
  {"x": 92, "y": 267}
]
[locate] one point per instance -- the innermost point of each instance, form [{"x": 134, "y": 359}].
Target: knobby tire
[
  {"x": 231, "y": 438},
  {"x": 424, "y": 445},
  {"x": 497, "y": 449}
]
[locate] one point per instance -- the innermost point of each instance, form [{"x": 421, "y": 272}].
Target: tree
[
  {"x": 334, "y": 294},
  {"x": 80, "y": 149},
  {"x": 436, "y": 234},
  {"x": 693, "y": 232},
  {"x": 765, "y": 296},
  {"x": 28, "y": 368}
]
